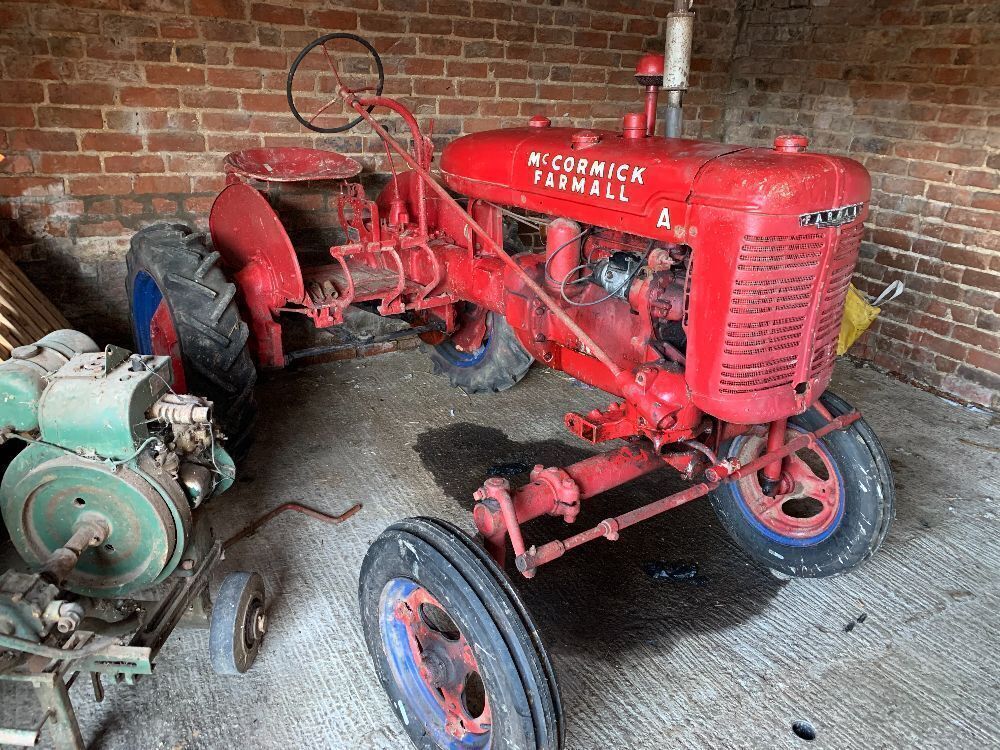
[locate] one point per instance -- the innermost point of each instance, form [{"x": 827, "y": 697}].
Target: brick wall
[{"x": 117, "y": 113}]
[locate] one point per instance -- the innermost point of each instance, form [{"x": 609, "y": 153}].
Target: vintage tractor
[{"x": 700, "y": 284}]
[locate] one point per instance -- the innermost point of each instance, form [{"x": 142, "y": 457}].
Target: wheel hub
[
  {"x": 446, "y": 664},
  {"x": 807, "y": 498}
]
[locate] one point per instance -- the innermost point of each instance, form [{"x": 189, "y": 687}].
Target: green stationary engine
[{"x": 115, "y": 464}]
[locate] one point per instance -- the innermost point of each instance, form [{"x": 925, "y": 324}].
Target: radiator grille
[{"x": 786, "y": 305}]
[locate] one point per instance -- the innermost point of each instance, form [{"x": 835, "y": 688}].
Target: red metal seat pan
[{"x": 291, "y": 164}]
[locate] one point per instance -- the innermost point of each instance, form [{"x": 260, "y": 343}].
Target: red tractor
[{"x": 701, "y": 285}]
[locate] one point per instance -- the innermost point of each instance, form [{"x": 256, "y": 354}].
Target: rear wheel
[
  {"x": 453, "y": 646},
  {"x": 183, "y": 307},
  {"x": 499, "y": 363},
  {"x": 832, "y": 510}
]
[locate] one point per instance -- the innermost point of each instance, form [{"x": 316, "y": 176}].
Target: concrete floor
[{"x": 731, "y": 660}]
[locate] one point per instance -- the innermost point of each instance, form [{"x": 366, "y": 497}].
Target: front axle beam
[{"x": 529, "y": 560}]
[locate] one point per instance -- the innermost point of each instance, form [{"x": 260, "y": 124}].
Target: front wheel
[
  {"x": 834, "y": 508},
  {"x": 238, "y": 624},
  {"x": 453, "y": 646}
]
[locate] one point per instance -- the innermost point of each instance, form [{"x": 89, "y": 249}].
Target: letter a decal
[{"x": 664, "y": 220}]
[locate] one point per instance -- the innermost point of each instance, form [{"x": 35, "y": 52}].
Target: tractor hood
[{"x": 644, "y": 185}]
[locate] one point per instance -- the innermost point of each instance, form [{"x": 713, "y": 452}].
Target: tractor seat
[{"x": 291, "y": 164}]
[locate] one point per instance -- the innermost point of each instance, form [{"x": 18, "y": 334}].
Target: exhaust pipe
[{"x": 677, "y": 62}]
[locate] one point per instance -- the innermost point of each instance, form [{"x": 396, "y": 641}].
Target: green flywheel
[{"x": 46, "y": 492}]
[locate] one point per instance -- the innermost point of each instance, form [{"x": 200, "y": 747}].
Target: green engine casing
[{"x": 95, "y": 454}]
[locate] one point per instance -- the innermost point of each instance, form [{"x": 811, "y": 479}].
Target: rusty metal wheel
[{"x": 453, "y": 646}]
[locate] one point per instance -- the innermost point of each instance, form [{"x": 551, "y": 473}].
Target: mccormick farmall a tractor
[{"x": 701, "y": 285}]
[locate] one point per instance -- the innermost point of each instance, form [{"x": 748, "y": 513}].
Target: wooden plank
[
  {"x": 25, "y": 313},
  {"x": 54, "y": 319}
]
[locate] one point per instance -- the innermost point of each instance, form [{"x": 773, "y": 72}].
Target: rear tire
[
  {"x": 423, "y": 563},
  {"x": 168, "y": 264},
  {"x": 500, "y": 363},
  {"x": 861, "y": 481}
]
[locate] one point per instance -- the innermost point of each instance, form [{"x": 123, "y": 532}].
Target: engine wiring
[
  {"x": 628, "y": 280},
  {"x": 541, "y": 224}
]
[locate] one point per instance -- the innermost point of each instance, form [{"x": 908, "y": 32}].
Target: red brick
[
  {"x": 17, "y": 117},
  {"x": 67, "y": 117},
  {"x": 144, "y": 96},
  {"x": 100, "y": 185},
  {"x": 252, "y": 57},
  {"x": 44, "y": 140},
  {"x": 81, "y": 93},
  {"x": 176, "y": 142},
  {"x": 175, "y": 75},
  {"x": 133, "y": 164},
  {"x": 100, "y": 229},
  {"x": 161, "y": 184},
  {"x": 119, "y": 142},
  {"x": 277, "y": 14},
  {"x": 219, "y": 8},
  {"x": 56, "y": 164},
  {"x": 267, "y": 102},
  {"x": 235, "y": 79},
  {"x": 29, "y": 186},
  {"x": 335, "y": 20},
  {"x": 21, "y": 92}
]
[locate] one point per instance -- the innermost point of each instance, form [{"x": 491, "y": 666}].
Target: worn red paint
[{"x": 728, "y": 256}]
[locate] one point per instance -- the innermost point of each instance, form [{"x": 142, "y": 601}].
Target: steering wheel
[{"x": 321, "y": 42}]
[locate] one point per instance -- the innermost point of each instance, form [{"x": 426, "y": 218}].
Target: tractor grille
[{"x": 785, "y": 309}]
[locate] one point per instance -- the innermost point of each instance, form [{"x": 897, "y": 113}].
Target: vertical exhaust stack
[{"x": 677, "y": 63}]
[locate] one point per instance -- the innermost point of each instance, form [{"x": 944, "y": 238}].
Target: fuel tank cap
[
  {"x": 791, "y": 143},
  {"x": 539, "y": 121}
]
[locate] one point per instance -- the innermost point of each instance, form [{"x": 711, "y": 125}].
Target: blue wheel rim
[
  {"x": 418, "y": 703},
  {"x": 146, "y": 298},
  {"x": 464, "y": 359},
  {"x": 755, "y": 522}
]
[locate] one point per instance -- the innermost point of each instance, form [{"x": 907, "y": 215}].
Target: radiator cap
[
  {"x": 539, "y": 121},
  {"x": 791, "y": 143}
]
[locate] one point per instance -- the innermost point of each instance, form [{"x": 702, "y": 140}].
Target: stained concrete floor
[{"x": 730, "y": 660}]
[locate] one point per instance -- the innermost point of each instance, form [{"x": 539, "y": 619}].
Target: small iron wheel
[
  {"x": 239, "y": 621},
  {"x": 452, "y": 644}
]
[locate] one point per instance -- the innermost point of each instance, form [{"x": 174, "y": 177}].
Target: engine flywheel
[{"x": 46, "y": 492}]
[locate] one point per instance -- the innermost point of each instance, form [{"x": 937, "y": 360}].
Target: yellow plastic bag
[{"x": 859, "y": 313}]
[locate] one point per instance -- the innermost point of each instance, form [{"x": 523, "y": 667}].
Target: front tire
[
  {"x": 453, "y": 646},
  {"x": 182, "y": 306},
  {"x": 836, "y": 514}
]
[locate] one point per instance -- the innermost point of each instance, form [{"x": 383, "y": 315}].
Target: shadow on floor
[{"x": 598, "y": 596}]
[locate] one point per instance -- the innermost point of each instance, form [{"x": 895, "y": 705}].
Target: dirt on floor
[{"x": 669, "y": 637}]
